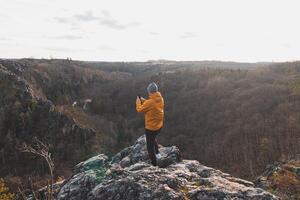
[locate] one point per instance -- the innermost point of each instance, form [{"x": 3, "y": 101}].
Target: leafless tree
[{"x": 40, "y": 149}]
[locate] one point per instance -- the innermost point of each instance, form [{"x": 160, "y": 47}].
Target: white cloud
[
  {"x": 87, "y": 16},
  {"x": 4, "y": 39},
  {"x": 105, "y": 48},
  {"x": 153, "y": 33},
  {"x": 188, "y": 35},
  {"x": 68, "y": 37},
  {"x": 65, "y": 49},
  {"x": 104, "y": 19}
]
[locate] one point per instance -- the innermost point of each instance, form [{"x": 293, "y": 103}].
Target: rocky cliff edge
[{"x": 129, "y": 175}]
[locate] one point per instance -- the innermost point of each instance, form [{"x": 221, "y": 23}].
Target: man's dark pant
[{"x": 152, "y": 145}]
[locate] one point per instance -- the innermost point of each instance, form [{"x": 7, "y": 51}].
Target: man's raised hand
[{"x": 137, "y": 99}]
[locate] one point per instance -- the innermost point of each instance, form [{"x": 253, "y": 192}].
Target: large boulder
[
  {"x": 129, "y": 175},
  {"x": 138, "y": 153},
  {"x": 86, "y": 176}
]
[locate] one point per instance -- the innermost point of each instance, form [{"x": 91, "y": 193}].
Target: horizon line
[{"x": 149, "y": 60}]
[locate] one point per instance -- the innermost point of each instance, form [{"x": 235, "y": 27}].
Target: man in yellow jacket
[{"x": 153, "y": 108}]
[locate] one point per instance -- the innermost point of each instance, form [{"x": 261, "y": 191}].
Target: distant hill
[{"x": 156, "y": 66}]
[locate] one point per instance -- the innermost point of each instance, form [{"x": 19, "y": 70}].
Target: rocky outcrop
[
  {"x": 15, "y": 66},
  {"x": 282, "y": 178},
  {"x": 129, "y": 175}
]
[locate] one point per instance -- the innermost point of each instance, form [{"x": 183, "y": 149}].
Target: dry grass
[
  {"x": 285, "y": 181},
  {"x": 184, "y": 190}
]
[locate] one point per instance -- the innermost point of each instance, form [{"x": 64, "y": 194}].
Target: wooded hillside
[{"x": 234, "y": 119}]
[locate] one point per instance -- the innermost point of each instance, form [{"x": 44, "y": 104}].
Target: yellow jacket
[{"x": 153, "y": 109}]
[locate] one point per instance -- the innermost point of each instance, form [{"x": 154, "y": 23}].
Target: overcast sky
[{"x": 139, "y": 30}]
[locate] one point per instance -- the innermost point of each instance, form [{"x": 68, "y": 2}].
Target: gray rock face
[
  {"x": 86, "y": 176},
  {"x": 138, "y": 153},
  {"x": 129, "y": 175},
  {"x": 16, "y": 67}
]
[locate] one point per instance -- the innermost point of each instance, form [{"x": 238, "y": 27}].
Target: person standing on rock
[{"x": 153, "y": 108}]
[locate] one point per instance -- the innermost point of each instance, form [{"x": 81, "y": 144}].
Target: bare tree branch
[
  {"x": 40, "y": 149},
  {"x": 22, "y": 194}
]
